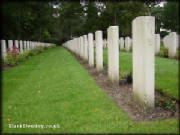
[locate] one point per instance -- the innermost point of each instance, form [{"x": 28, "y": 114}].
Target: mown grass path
[{"x": 53, "y": 88}]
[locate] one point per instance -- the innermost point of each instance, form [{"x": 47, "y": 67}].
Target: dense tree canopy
[{"x": 57, "y": 21}]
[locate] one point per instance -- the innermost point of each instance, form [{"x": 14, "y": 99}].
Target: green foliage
[
  {"x": 171, "y": 16},
  {"x": 12, "y": 56},
  {"x": 165, "y": 52}
]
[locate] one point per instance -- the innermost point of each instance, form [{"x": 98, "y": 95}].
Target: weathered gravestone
[
  {"x": 10, "y": 45},
  {"x": 3, "y": 49},
  {"x": 113, "y": 53},
  {"x": 143, "y": 33},
  {"x": 157, "y": 44},
  {"x": 99, "y": 50},
  {"x": 170, "y": 43},
  {"x": 121, "y": 43},
  {"x": 91, "y": 49},
  {"x": 127, "y": 43}
]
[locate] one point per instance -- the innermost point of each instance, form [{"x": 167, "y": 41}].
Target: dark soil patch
[{"x": 165, "y": 107}]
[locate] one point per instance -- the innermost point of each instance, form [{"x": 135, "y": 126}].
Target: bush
[
  {"x": 39, "y": 49},
  {"x": 12, "y": 56},
  {"x": 165, "y": 52}
]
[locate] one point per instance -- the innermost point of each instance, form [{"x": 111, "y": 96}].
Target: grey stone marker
[
  {"x": 143, "y": 33},
  {"x": 157, "y": 44},
  {"x": 121, "y": 43},
  {"x": 91, "y": 49},
  {"x": 99, "y": 50},
  {"x": 113, "y": 54},
  {"x": 3, "y": 49},
  {"x": 10, "y": 44}
]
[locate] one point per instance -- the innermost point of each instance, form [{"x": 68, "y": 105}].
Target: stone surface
[
  {"x": 99, "y": 50},
  {"x": 113, "y": 53},
  {"x": 127, "y": 43},
  {"x": 10, "y": 44},
  {"x": 157, "y": 44},
  {"x": 3, "y": 49},
  {"x": 91, "y": 49},
  {"x": 143, "y": 33},
  {"x": 121, "y": 43}
]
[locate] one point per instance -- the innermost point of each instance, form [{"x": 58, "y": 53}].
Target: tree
[{"x": 170, "y": 18}]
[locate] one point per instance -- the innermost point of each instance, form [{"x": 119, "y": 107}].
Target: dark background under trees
[{"x": 57, "y": 21}]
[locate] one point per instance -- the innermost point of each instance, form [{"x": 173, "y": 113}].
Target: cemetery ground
[{"x": 54, "y": 88}]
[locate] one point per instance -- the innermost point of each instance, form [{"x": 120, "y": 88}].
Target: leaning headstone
[
  {"x": 113, "y": 53},
  {"x": 91, "y": 49},
  {"x": 143, "y": 33},
  {"x": 10, "y": 45},
  {"x": 3, "y": 49},
  {"x": 121, "y": 43},
  {"x": 99, "y": 50},
  {"x": 157, "y": 44},
  {"x": 127, "y": 43}
]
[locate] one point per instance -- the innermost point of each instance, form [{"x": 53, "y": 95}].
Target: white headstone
[
  {"x": 3, "y": 49},
  {"x": 21, "y": 46},
  {"x": 157, "y": 44},
  {"x": 127, "y": 43},
  {"x": 113, "y": 53},
  {"x": 177, "y": 41},
  {"x": 99, "y": 50},
  {"x": 170, "y": 42},
  {"x": 24, "y": 46},
  {"x": 82, "y": 47},
  {"x": 91, "y": 49},
  {"x": 85, "y": 47},
  {"x": 121, "y": 43},
  {"x": 172, "y": 46},
  {"x": 143, "y": 33},
  {"x": 10, "y": 44}
]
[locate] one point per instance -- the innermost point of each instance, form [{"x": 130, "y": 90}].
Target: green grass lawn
[
  {"x": 53, "y": 88},
  {"x": 166, "y": 72}
]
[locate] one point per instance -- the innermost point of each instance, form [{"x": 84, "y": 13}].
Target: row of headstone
[
  {"x": 22, "y": 46},
  {"x": 171, "y": 42},
  {"x": 125, "y": 44},
  {"x": 143, "y": 34}
]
